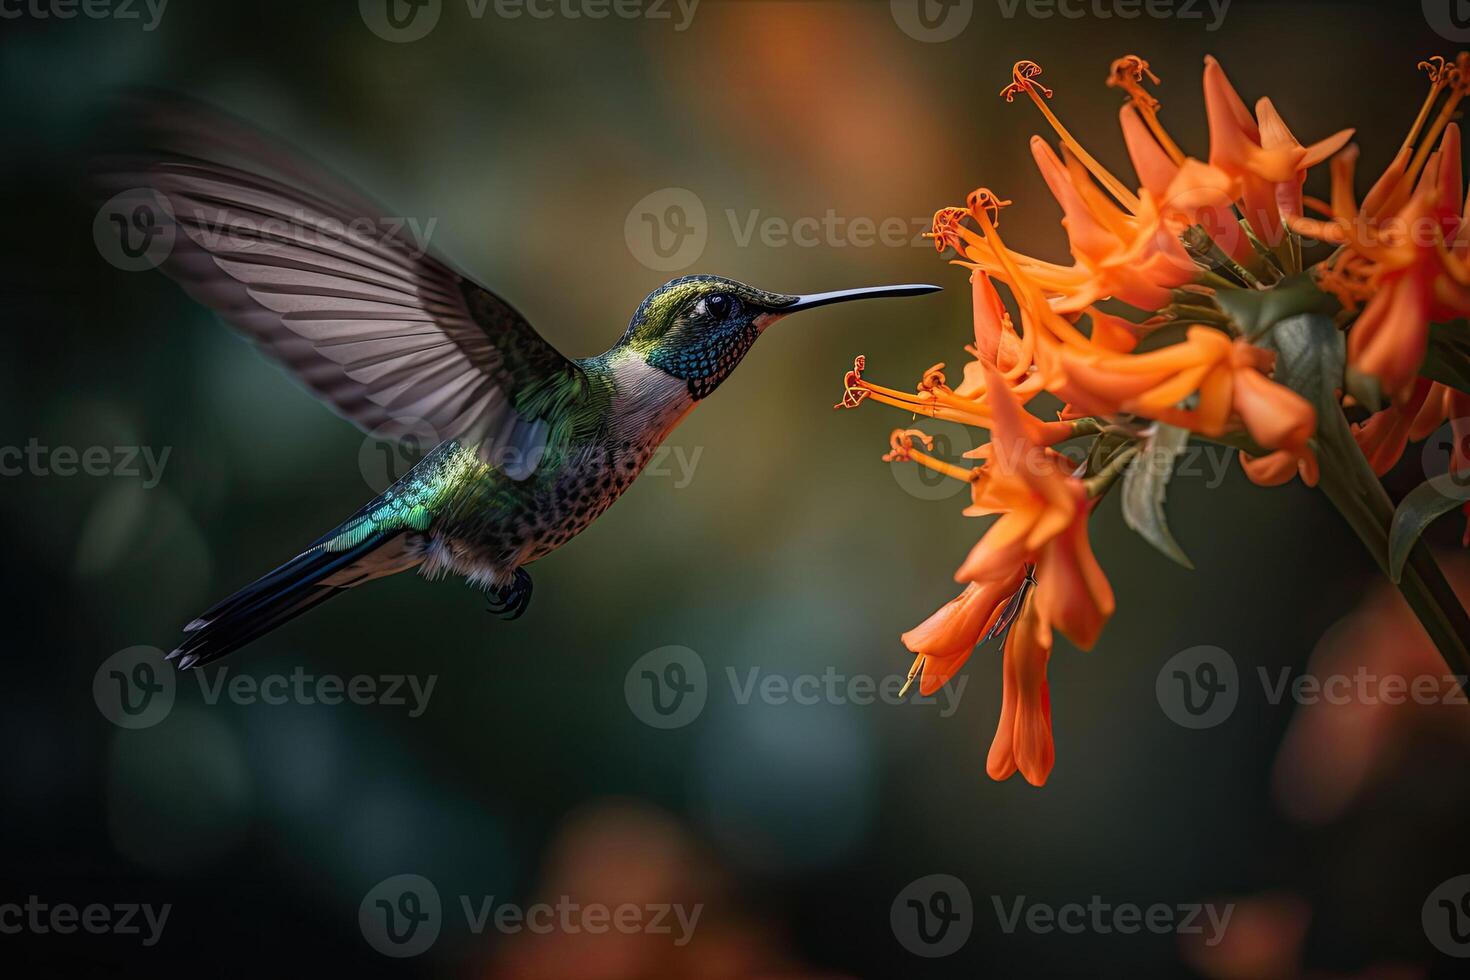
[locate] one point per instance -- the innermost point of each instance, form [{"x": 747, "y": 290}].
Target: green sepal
[{"x": 1256, "y": 311}]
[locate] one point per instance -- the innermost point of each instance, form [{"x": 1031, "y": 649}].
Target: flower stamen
[
  {"x": 1023, "y": 79},
  {"x": 1128, "y": 73}
]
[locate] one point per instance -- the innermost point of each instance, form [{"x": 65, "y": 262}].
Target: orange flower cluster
[
  {"x": 1129, "y": 336},
  {"x": 1404, "y": 260}
]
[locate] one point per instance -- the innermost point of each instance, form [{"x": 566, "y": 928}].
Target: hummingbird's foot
[{"x": 511, "y": 600}]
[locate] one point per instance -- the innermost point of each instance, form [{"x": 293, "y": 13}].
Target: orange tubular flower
[
  {"x": 1023, "y": 741},
  {"x": 943, "y": 642},
  {"x": 1262, "y": 153},
  {"x": 1125, "y": 255},
  {"x": 1225, "y": 377},
  {"x": 1190, "y": 192},
  {"x": 1044, "y": 522}
]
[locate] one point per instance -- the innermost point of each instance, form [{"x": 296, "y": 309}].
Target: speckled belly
[{"x": 512, "y": 524}]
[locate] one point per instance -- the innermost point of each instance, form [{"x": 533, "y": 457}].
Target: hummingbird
[{"x": 534, "y": 446}]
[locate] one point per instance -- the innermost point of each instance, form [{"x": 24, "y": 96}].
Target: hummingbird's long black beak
[{"x": 843, "y": 295}]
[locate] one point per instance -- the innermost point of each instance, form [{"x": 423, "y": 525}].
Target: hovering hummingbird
[{"x": 535, "y": 445}]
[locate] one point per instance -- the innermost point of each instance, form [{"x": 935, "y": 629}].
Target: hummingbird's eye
[{"x": 719, "y": 305}]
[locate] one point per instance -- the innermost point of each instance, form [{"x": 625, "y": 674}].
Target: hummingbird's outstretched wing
[{"x": 380, "y": 328}]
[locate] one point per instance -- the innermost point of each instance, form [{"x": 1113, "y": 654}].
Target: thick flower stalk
[{"x": 1189, "y": 309}]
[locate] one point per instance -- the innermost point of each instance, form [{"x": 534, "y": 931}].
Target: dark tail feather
[{"x": 275, "y": 599}]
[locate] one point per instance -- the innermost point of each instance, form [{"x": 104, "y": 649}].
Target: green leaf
[
  {"x": 1448, "y": 358},
  {"x": 1255, "y": 311},
  {"x": 1429, "y": 500},
  {"x": 1309, "y": 358},
  {"x": 1144, "y": 486}
]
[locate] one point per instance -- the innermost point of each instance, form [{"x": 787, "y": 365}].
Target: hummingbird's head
[{"x": 698, "y": 328}]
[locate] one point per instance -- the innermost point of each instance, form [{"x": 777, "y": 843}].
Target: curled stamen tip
[
  {"x": 986, "y": 200},
  {"x": 1130, "y": 67},
  {"x": 1023, "y": 75},
  {"x": 1128, "y": 73},
  {"x": 901, "y": 444},
  {"x": 933, "y": 378},
  {"x": 945, "y": 228},
  {"x": 853, "y": 392},
  {"x": 1434, "y": 66}
]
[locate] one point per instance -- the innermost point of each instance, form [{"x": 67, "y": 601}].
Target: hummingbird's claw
[{"x": 510, "y": 601}]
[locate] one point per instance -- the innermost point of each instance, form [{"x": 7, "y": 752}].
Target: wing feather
[{"x": 379, "y": 327}]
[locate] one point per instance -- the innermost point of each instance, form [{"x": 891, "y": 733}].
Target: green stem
[
  {"x": 1355, "y": 490},
  {"x": 1100, "y": 483}
]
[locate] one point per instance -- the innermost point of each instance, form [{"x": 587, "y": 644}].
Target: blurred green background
[{"x": 790, "y": 547}]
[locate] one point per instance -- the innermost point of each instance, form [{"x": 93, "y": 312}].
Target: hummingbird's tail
[{"x": 356, "y": 552}]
